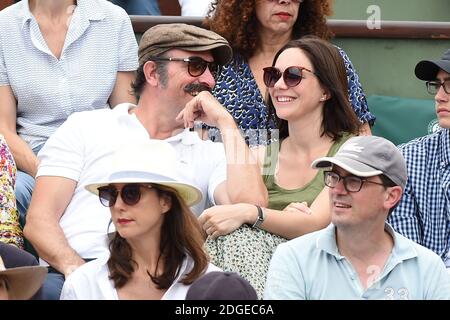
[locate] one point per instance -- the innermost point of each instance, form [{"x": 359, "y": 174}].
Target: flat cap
[{"x": 164, "y": 37}]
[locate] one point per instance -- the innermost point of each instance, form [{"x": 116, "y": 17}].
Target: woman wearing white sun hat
[{"x": 157, "y": 250}]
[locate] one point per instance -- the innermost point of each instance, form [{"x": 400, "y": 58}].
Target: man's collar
[{"x": 403, "y": 249}]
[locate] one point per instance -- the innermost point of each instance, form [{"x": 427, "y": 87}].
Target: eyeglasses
[
  {"x": 351, "y": 183},
  {"x": 433, "y": 86},
  {"x": 130, "y": 194},
  {"x": 291, "y": 76},
  {"x": 196, "y": 65}
]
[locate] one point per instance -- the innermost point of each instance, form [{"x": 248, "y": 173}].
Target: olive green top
[{"x": 279, "y": 197}]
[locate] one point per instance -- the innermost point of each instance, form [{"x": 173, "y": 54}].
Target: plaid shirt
[{"x": 423, "y": 212}]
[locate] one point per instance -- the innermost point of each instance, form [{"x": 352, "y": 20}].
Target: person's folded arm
[{"x": 294, "y": 222}]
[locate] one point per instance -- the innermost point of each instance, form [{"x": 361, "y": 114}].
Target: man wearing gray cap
[
  {"x": 423, "y": 212},
  {"x": 66, "y": 224},
  {"x": 359, "y": 255}
]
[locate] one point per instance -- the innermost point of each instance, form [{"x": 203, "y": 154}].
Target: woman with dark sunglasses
[
  {"x": 308, "y": 97},
  {"x": 156, "y": 251},
  {"x": 256, "y": 30}
]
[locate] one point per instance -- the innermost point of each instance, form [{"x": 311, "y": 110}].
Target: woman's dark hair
[
  {"x": 180, "y": 236},
  {"x": 236, "y": 21},
  {"x": 328, "y": 65}
]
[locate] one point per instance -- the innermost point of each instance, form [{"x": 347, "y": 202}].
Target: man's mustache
[{"x": 195, "y": 88}]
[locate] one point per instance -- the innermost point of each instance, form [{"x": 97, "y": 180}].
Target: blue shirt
[
  {"x": 139, "y": 7},
  {"x": 423, "y": 212},
  {"x": 310, "y": 267},
  {"x": 236, "y": 89},
  {"x": 100, "y": 42}
]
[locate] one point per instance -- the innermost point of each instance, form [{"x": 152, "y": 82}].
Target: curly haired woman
[{"x": 256, "y": 30}]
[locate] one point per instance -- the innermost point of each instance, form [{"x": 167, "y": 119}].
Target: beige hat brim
[
  {"x": 190, "y": 194},
  {"x": 24, "y": 282}
]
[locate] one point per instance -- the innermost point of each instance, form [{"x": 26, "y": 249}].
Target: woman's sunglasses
[
  {"x": 196, "y": 65},
  {"x": 291, "y": 75},
  {"x": 130, "y": 194}
]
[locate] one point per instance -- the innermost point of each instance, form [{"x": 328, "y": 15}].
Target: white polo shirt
[{"x": 81, "y": 150}]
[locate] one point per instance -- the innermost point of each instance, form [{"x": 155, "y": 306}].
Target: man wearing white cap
[
  {"x": 423, "y": 212},
  {"x": 359, "y": 255}
]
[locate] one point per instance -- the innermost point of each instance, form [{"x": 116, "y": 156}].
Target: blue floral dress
[
  {"x": 10, "y": 231},
  {"x": 236, "y": 89}
]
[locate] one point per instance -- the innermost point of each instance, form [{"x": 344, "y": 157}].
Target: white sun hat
[{"x": 153, "y": 161}]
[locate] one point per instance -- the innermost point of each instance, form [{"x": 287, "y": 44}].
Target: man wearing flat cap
[
  {"x": 359, "y": 255},
  {"x": 423, "y": 212},
  {"x": 178, "y": 64}
]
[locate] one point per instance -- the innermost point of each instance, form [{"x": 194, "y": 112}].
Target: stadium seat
[{"x": 402, "y": 119}]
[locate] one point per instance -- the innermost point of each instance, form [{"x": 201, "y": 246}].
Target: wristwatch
[{"x": 260, "y": 219}]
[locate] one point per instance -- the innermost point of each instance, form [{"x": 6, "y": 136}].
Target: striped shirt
[
  {"x": 423, "y": 212},
  {"x": 311, "y": 267},
  {"x": 100, "y": 42}
]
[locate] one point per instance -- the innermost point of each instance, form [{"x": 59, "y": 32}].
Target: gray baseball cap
[{"x": 368, "y": 156}]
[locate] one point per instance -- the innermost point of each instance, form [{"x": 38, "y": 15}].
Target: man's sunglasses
[
  {"x": 291, "y": 75},
  {"x": 196, "y": 65},
  {"x": 130, "y": 194}
]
